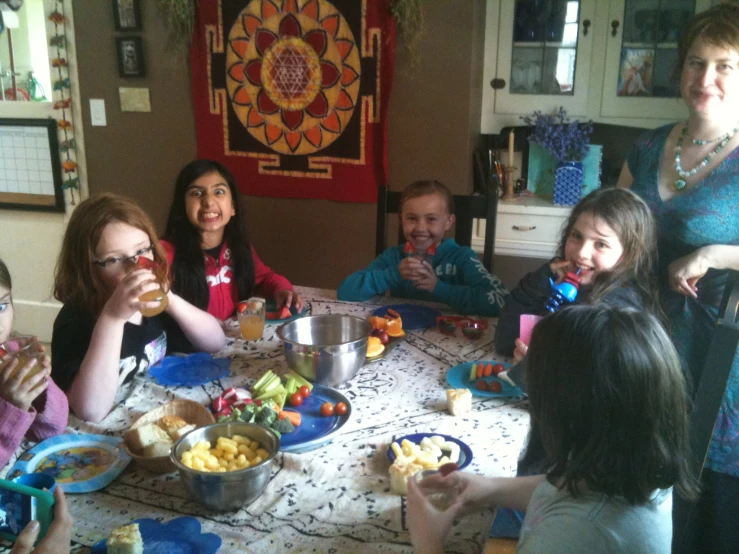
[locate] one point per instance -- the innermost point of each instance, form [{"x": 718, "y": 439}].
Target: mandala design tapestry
[{"x": 292, "y": 95}]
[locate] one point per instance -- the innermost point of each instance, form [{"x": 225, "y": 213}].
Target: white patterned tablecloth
[{"x": 336, "y": 498}]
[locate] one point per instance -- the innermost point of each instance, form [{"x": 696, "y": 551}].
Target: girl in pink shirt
[
  {"x": 213, "y": 265},
  {"x": 35, "y": 408}
]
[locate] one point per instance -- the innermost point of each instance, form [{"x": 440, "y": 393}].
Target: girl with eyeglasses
[{"x": 101, "y": 341}]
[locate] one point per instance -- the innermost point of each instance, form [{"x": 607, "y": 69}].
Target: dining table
[{"x": 335, "y": 498}]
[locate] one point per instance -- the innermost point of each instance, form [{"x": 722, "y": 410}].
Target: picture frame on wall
[
  {"x": 130, "y": 52},
  {"x": 127, "y": 15}
]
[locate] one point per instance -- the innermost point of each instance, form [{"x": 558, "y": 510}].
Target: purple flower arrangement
[{"x": 564, "y": 139}]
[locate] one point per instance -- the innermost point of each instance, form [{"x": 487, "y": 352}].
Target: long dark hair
[
  {"x": 188, "y": 266},
  {"x": 634, "y": 225},
  {"x": 609, "y": 400}
]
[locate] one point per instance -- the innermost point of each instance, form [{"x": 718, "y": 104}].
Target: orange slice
[
  {"x": 378, "y": 322},
  {"x": 374, "y": 347},
  {"x": 395, "y": 328}
]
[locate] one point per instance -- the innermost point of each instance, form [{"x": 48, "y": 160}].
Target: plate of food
[
  {"x": 414, "y": 316},
  {"x": 483, "y": 378},
  {"x": 444, "y": 448},
  {"x": 182, "y": 535},
  {"x": 387, "y": 332},
  {"x": 190, "y": 371},
  {"x": 78, "y": 462},
  {"x": 318, "y": 425},
  {"x": 275, "y": 316}
]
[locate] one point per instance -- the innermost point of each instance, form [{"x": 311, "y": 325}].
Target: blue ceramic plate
[
  {"x": 180, "y": 536},
  {"x": 190, "y": 371},
  {"x": 271, "y": 307},
  {"x": 465, "y": 453},
  {"x": 413, "y": 315},
  {"x": 314, "y": 429},
  {"x": 78, "y": 462},
  {"x": 458, "y": 377}
]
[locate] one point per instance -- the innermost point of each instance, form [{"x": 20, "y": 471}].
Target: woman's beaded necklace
[{"x": 681, "y": 183}]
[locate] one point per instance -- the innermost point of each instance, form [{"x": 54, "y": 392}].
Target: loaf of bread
[
  {"x": 126, "y": 540},
  {"x": 141, "y": 437}
]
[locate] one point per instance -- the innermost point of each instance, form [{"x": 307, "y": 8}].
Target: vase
[{"x": 568, "y": 183}]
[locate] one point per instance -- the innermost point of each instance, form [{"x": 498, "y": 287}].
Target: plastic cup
[
  {"x": 527, "y": 324},
  {"x": 40, "y": 481},
  {"x": 251, "y": 318},
  {"x": 23, "y": 349},
  {"x": 440, "y": 497}
]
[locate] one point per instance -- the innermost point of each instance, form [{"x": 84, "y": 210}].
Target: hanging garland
[{"x": 61, "y": 87}]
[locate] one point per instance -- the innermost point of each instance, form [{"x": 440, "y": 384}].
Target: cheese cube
[{"x": 459, "y": 401}]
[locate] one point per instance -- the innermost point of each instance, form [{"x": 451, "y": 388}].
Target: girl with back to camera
[
  {"x": 101, "y": 340},
  {"x": 213, "y": 265},
  {"x": 609, "y": 398}
]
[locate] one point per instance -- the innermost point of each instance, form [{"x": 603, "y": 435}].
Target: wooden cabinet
[
  {"x": 607, "y": 60},
  {"x": 530, "y": 227}
]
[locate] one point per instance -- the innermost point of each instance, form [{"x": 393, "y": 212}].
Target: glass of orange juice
[
  {"x": 251, "y": 318},
  {"x": 157, "y": 295},
  {"x": 23, "y": 349}
]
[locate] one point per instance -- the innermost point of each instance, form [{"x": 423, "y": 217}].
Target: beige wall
[{"x": 433, "y": 119}]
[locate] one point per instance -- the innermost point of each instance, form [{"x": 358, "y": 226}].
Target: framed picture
[
  {"x": 130, "y": 57},
  {"x": 127, "y": 15},
  {"x": 30, "y": 169}
]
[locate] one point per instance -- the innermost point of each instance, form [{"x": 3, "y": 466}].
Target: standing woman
[{"x": 688, "y": 173}]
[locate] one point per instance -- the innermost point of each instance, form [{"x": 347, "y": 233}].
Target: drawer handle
[{"x": 524, "y": 228}]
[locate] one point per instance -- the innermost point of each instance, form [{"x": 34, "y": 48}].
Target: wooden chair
[
  {"x": 466, "y": 208},
  {"x": 710, "y": 387}
]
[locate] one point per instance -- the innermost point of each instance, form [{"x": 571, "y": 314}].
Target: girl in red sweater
[{"x": 213, "y": 265}]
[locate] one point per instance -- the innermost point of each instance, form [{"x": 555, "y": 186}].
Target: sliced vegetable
[
  {"x": 488, "y": 371},
  {"x": 294, "y": 417},
  {"x": 480, "y": 369},
  {"x": 473, "y": 372}
]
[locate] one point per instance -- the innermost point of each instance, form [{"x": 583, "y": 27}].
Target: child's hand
[
  {"x": 58, "y": 536},
  {"x": 124, "y": 302},
  {"x": 425, "y": 278},
  {"x": 559, "y": 268},
  {"x": 409, "y": 268},
  {"x": 288, "y": 297},
  {"x": 520, "y": 351},
  {"x": 428, "y": 526},
  {"x": 14, "y": 389}
]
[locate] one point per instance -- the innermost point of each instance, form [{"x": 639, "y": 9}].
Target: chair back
[{"x": 466, "y": 209}]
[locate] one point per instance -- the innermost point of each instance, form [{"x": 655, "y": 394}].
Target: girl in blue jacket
[{"x": 428, "y": 266}]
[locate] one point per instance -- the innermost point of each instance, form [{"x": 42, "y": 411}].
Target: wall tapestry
[{"x": 292, "y": 95}]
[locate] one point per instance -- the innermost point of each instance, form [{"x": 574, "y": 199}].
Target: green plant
[
  {"x": 180, "y": 16},
  {"x": 411, "y": 27}
]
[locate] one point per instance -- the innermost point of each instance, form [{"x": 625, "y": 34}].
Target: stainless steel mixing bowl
[
  {"x": 224, "y": 492},
  {"x": 326, "y": 349}
]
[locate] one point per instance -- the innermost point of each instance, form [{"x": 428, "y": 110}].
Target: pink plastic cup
[{"x": 527, "y": 324}]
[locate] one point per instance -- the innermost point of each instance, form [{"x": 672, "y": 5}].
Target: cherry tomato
[
  {"x": 341, "y": 409},
  {"x": 495, "y": 386},
  {"x": 327, "y": 409},
  {"x": 304, "y": 391},
  {"x": 497, "y": 368},
  {"x": 296, "y": 399},
  {"x": 481, "y": 385}
]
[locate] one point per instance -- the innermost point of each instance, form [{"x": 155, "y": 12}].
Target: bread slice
[
  {"x": 399, "y": 474},
  {"x": 157, "y": 449},
  {"x": 182, "y": 431},
  {"x": 459, "y": 401},
  {"x": 141, "y": 437},
  {"x": 126, "y": 540},
  {"x": 171, "y": 423}
]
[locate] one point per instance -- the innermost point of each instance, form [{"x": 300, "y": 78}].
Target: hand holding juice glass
[
  {"x": 251, "y": 318},
  {"x": 24, "y": 349},
  {"x": 157, "y": 295}
]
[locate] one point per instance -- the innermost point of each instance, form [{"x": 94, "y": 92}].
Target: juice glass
[
  {"x": 157, "y": 295},
  {"x": 440, "y": 497},
  {"x": 23, "y": 349},
  {"x": 251, "y": 318}
]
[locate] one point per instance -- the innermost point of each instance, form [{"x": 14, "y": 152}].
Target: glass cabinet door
[
  {"x": 641, "y": 74},
  {"x": 544, "y": 55}
]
